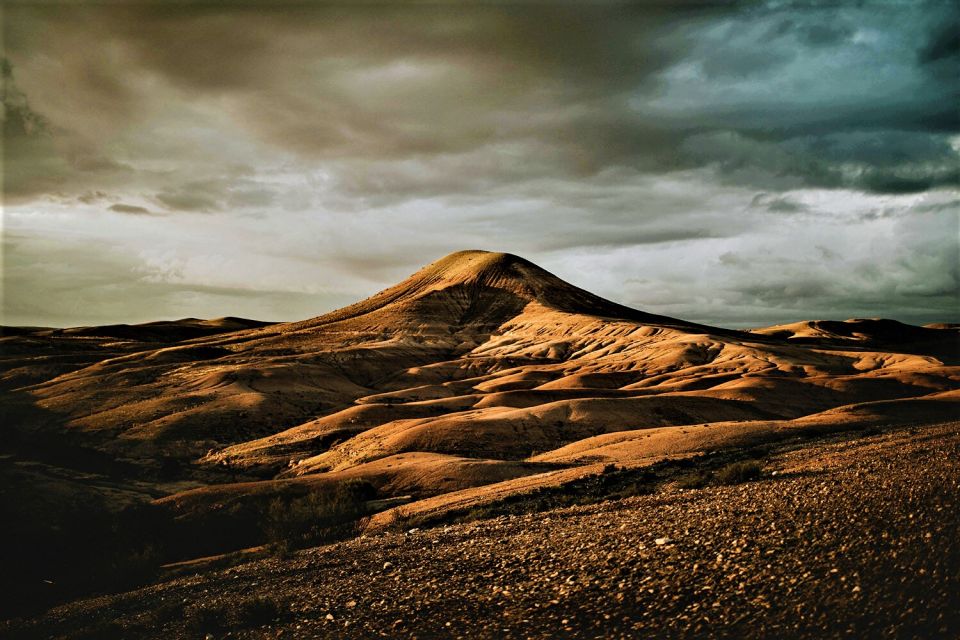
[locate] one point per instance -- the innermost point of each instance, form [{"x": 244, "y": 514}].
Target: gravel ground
[{"x": 856, "y": 538}]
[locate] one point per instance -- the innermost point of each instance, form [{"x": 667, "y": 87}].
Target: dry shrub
[
  {"x": 318, "y": 517},
  {"x": 737, "y": 472}
]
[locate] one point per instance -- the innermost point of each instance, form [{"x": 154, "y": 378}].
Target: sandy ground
[{"x": 855, "y": 537}]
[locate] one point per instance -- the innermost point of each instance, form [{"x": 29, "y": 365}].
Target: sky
[{"x": 738, "y": 164}]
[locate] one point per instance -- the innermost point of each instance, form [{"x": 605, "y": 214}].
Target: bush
[
  {"x": 108, "y": 630},
  {"x": 639, "y": 488},
  {"x": 318, "y": 517},
  {"x": 696, "y": 480},
  {"x": 737, "y": 472},
  {"x": 257, "y": 611},
  {"x": 245, "y": 613},
  {"x": 610, "y": 484},
  {"x": 202, "y": 620},
  {"x": 136, "y": 566},
  {"x": 165, "y": 613}
]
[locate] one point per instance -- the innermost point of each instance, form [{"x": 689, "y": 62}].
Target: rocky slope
[{"x": 851, "y": 537}]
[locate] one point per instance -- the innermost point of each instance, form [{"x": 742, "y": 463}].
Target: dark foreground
[{"x": 853, "y": 538}]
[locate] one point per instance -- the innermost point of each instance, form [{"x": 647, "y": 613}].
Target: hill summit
[{"x": 474, "y": 286}]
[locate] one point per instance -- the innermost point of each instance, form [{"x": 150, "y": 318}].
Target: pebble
[{"x": 553, "y": 571}]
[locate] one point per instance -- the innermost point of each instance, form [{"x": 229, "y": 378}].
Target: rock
[{"x": 741, "y": 551}]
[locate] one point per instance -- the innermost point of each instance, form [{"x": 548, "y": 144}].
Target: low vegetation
[
  {"x": 318, "y": 517},
  {"x": 88, "y": 548},
  {"x": 695, "y": 480},
  {"x": 737, "y": 472},
  {"x": 613, "y": 483},
  {"x": 199, "y": 619},
  {"x": 85, "y": 548},
  {"x": 246, "y": 613},
  {"x": 732, "y": 473}
]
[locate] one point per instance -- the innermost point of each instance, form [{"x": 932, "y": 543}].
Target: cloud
[
  {"x": 573, "y": 90},
  {"x": 115, "y": 286},
  {"x": 344, "y": 146},
  {"x": 943, "y": 42},
  {"x": 777, "y": 204},
  {"x": 129, "y": 208},
  {"x": 191, "y": 197},
  {"x": 90, "y": 197}
]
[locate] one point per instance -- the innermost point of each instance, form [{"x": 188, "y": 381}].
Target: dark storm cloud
[
  {"x": 777, "y": 204},
  {"x": 908, "y": 181},
  {"x": 40, "y": 157},
  {"x": 854, "y": 111},
  {"x": 825, "y": 35},
  {"x": 191, "y": 197},
  {"x": 817, "y": 34},
  {"x": 370, "y": 83},
  {"x": 618, "y": 237},
  {"x": 572, "y": 83},
  {"x": 943, "y": 42},
  {"x": 91, "y": 197},
  {"x": 218, "y": 194},
  {"x": 555, "y": 130},
  {"x": 129, "y": 208},
  {"x": 31, "y": 163}
]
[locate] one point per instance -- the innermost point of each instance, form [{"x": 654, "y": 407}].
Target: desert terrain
[{"x": 482, "y": 450}]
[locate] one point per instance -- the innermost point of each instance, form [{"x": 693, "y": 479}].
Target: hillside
[
  {"x": 851, "y": 536},
  {"x": 478, "y": 378}
]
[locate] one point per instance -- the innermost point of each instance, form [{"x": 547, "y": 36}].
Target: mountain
[
  {"x": 479, "y": 377},
  {"x": 479, "y": 337},
  {"x": 475, "y": 289}
]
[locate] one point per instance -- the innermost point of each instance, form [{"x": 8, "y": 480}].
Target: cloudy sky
[{"x": 737, "y": 164}]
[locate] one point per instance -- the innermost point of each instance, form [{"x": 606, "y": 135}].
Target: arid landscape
[
  {"x": 522, "y": 320},
  {"x": 482, "y": 450}
]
